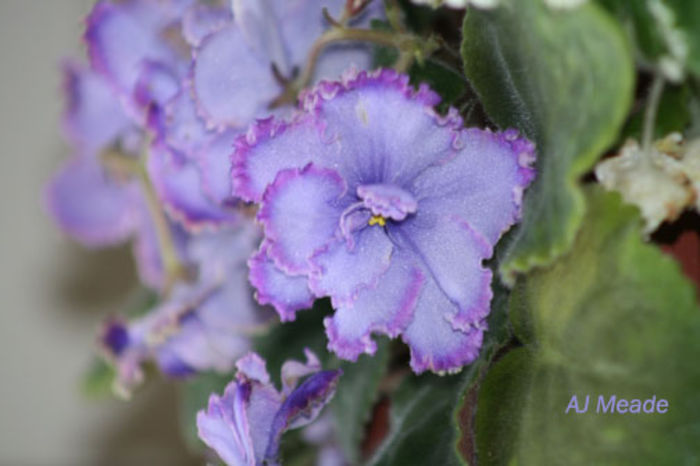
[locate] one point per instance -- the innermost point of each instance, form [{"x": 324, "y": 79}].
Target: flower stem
[
  {"x": 174, "y": 269},
  {"x": 651, "y": 110},
  {"x": 410, "y": 48},
  {"x": 124, "y": 166}
]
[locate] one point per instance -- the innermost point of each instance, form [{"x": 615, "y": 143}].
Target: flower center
[
  {"x": 378, "y": 204},
  {"x": 386, "y": 202},
  {"x": 377, "y": 220}
]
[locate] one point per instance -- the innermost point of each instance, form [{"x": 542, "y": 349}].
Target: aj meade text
[{"x": 612, "y": 404}]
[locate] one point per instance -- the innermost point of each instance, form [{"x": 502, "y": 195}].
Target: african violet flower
[
  {"x": 148, "y": 59},
  {"x": 232, "y": 78},
  {"x": 245, "y": 425},
  {"x": 137, "y": 48},
  {"x": 165, "y": 70},
  {"x": 148, "y": 164},
  {"x": 370, "y": 197},
  {"x": 204, "y": 324},
  {"x": 97, "y": 199},
  {"x": 98, "y": 196}
]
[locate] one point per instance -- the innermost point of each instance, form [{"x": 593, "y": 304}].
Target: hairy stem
[
  {"x": 124, "y": 166},
  {"x": 650, "y": 111},
  {"x": 410, "y": 48},
  {"x": 174, "y": 269}
]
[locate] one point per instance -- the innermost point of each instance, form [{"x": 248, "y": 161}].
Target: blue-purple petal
[
  {"x": 92, "y": 207},
  {"x": 301, "y": 407},
  {"x": 287, "y": 294},
  {"x": 232, "y": 84},
  {"x": 300, "y": 215},
  {"x": 178, "y": 184},
  {"x": 94, "y": 117}
]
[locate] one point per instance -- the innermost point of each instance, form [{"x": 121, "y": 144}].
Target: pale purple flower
[
  {"x": 370, "y": 197},
  {"x": 245, "y": 425},
  {"x": 205, "y": 324},
  {"x": 107, "y": 108},
  {"x": 138, "y": 48},
  {"x": 148, "y": 59},
  {"x": 99, "y": 204},
  {"x": 232, "y": 78},
  {"x": 135, "y": 98}
]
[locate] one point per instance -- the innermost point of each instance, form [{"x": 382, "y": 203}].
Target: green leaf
[
  {"x": 194, "y": 396},
  {"x": 423, "y": 426},
  {"x": 501, "y": 398},
  {"x": 382, "y": 57},
  {"x": 446, "y": 82},
  {"x": 98, "y": 379},
  {"x": 565, "y": 80},
  {"x": 355, "y": 397},
  {"x": 288, "y": 340},
  {"x": 615, "y": 316}
]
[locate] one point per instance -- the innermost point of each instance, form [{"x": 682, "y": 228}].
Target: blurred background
[{"x": 53, "y": 294}]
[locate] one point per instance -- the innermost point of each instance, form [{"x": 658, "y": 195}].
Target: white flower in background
[{"x": 662, "y": 182}]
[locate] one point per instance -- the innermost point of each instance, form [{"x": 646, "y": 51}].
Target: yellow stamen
[{"x": 377, "y": 220}]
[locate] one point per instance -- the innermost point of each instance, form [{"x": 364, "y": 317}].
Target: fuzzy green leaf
[
  {"x": 613, "y": 317},
  {"x": 423, "y": 428},
  {"x": 565, "y": 80},
  {"x": 288, "y": 340},
  {"x": 446, "y": 82},
  {"x": 355, "y": 397}
]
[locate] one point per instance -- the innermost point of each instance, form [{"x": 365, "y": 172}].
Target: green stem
[
  {"x": 123, "y": 166},
  {"x": 651, "y": 110},
  {"x": 410, "y": 48},
  {"x": 393, "y": 15},
  {"x": 174, "y": 270}
]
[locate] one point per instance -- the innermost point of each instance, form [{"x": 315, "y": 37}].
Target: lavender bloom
[
  {"x": 136, "y": 99},
  {"x": 231, "y": 74},
  {"x": 148, "y": 58},
  {"x": 137, "y": 46},
  {"x": 95, "y": 201},
  {"x": 369, "y": 197},
  {"x": 245, "y": 425},
  {"x": 204, "y": 324}
]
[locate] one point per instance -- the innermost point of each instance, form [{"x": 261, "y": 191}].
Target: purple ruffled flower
[
  {"x": 245, "y": 425},
  {"x": 95, "y": 200},
  {"x": 204, "y": 324},
  {"x": 137, "y": 48},
  {"x": 370, "y": 197},
  {"x": 138, "y": 102},
  {"x": 164, "y": 71}
]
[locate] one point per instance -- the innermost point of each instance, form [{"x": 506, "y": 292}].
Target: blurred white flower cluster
[{"x": 662, "y": 181}]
